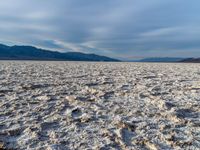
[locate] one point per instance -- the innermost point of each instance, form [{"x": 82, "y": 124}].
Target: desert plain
[{"x": 99, "y": 105}]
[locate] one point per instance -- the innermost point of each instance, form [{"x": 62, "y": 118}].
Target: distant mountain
[
  {"x": 33, "y": 53},
  {"x": 161, "y": 59},
  {"x": 191, "y": 60}
]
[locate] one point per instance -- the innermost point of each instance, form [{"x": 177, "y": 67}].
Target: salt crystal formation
[{"x": 76, "y": 105}]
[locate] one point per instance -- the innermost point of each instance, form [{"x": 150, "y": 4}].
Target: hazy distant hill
[
  {"x": 33, "y": 53},
  {"x": 161, "y": 59},
  {"x": 191, "y": 60}
]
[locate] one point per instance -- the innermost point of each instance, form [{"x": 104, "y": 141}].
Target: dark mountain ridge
[
  {"x": 161, "y": 59},
  {"x": 191, "y": 60},
  {"x": 33, "y": 53}
]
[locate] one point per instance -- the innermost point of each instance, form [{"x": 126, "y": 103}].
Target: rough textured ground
[{"x": 76, "y": 105}]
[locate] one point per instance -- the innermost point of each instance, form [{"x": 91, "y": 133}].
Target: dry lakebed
[{"x": 99, "y": 105}]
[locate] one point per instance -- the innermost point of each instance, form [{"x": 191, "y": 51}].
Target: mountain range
[
  {"x": 191, "y": 60},
  {"x": 161, "y": 59},
  {"x": 171, "y": 59},
  {"x": 33, "y": 53}
]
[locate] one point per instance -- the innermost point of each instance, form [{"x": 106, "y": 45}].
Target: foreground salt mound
[{"x": 76, "y": 105}]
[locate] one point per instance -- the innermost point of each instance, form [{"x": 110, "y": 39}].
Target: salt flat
[{"x": 82, "y": 105}]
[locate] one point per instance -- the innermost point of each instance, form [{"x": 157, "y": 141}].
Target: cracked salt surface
[{"x": 80, "y": 105}]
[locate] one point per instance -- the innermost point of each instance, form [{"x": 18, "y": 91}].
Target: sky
[{"x": 126, "y": 29}]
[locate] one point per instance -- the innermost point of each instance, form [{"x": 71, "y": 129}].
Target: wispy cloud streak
[{"x": 128, "y": 28}]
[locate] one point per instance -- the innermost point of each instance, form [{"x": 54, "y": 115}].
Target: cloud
[{"x": 135, "y": 28}]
